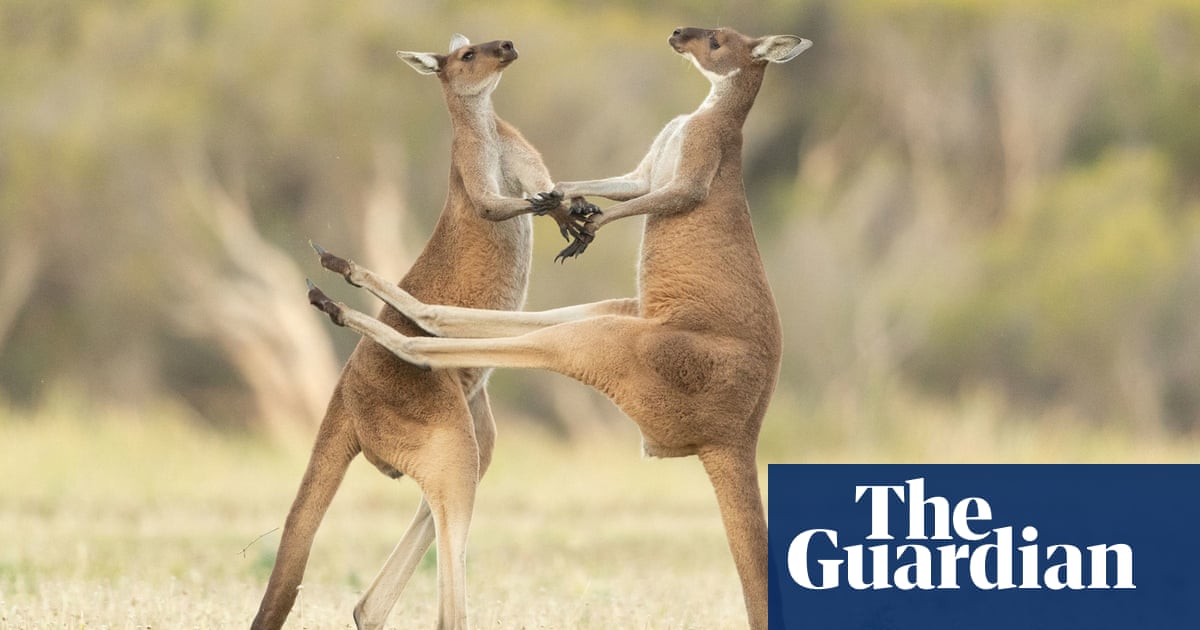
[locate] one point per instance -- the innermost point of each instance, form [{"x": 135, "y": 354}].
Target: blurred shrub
[{"x": 1069, "y": 293}]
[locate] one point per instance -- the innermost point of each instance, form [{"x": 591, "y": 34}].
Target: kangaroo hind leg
[
  {"x": 377, "y": 602},
  {"x": 449, "y": 480},
  {"x": 332, "y": 452},
  {"x": 734, "y": 476},
  {"x": 456, "y": 321}
]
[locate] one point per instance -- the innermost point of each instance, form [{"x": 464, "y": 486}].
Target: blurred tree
[{"x": 243, "y": 297}]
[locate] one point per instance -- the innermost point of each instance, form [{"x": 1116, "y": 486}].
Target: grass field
[{"x": 141, "y": 520}]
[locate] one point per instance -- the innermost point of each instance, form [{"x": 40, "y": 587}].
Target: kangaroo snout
[
  {"x": 506, "y": 51},
  {"x": 681, "y": 36}
]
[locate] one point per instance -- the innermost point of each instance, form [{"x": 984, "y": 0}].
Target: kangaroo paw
[
  {"x": 581, "y": 207},
  {"x": 317, "y": 298},
  {"x": 336, "y": 264},
  {"x": 545, "y": 202}
]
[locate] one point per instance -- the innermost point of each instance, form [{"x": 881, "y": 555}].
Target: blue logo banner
[{"x": 983, "y": 547}]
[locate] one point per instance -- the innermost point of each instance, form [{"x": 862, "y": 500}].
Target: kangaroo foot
[
  {"x": 317, "y": 298},
  {"x": 336, "y": 264}
]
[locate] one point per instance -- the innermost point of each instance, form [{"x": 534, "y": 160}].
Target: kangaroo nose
[
  {"x": 677, "y": 32},
  {"x": 506, "y": 46}
]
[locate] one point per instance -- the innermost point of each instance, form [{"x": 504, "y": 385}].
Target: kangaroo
[
  {"x": 693, "y": 360},
  {"x": 436, "y": 427}
]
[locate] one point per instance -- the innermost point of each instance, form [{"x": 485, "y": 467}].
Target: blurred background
[{"x": 981, "y": 211}]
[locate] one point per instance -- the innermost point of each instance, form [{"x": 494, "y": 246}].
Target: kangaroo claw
[
  {"x": 581, "y": 207},
  {"x": 336, "y": 264},
  {"x": 544, "y": 202},
  {"x": 576, "y": 247},
  {"x": 317, "y": 298}
]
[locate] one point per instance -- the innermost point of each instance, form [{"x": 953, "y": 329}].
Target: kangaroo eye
[
  {"x": 469, "y": 55},
  {"x": 713, "y": 43}
]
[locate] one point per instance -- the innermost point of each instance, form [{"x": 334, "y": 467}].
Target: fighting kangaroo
[
  {"x": 436, "y": 427},
  {"x": 694, "y": 359}
]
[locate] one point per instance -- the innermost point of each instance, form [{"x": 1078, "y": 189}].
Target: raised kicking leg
[
  {"x": 453, "y": 321},
  {"x": 577, "y": 348}
]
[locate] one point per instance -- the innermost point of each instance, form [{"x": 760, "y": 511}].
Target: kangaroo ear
[
  {"x": 425, "y": 63},
  {"x": 458, "y": 40},
  {"x": 779, "y": 48}
]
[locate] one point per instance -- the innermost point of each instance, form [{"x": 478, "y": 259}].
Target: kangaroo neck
[
  {"x": 472, "y": 114},
  {"x": 732, "y": 96}
]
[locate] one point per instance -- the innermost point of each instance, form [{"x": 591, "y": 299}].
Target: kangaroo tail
[{"x": 332, "y": 453}]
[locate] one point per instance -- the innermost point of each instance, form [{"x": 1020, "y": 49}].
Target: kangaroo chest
[{"x": 667, "y": 149}]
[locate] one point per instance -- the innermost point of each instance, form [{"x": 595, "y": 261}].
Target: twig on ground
[{"x": 260, "y": 537}]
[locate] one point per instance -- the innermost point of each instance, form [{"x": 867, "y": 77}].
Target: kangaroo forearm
[
  {"x": 662, "y": 201},
  {"x": 616, "y": 188},
  {"x": 497, "y": 208}
]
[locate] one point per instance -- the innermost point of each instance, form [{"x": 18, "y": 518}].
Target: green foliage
[{"x": 1068, "y": 291}]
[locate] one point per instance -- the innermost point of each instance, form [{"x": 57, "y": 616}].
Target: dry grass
[
  {"x": 118, "y": 522},
  {"x": 139, "y": 520}
]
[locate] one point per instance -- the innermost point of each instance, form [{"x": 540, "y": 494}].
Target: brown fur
[
  {"x": 694, "y": 360},
  {"x": 437, "y": 426}
]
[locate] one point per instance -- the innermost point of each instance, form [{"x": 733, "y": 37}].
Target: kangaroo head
[
  {"x": 468, "y": 69},
  {"x": 724, "y": 51}
]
